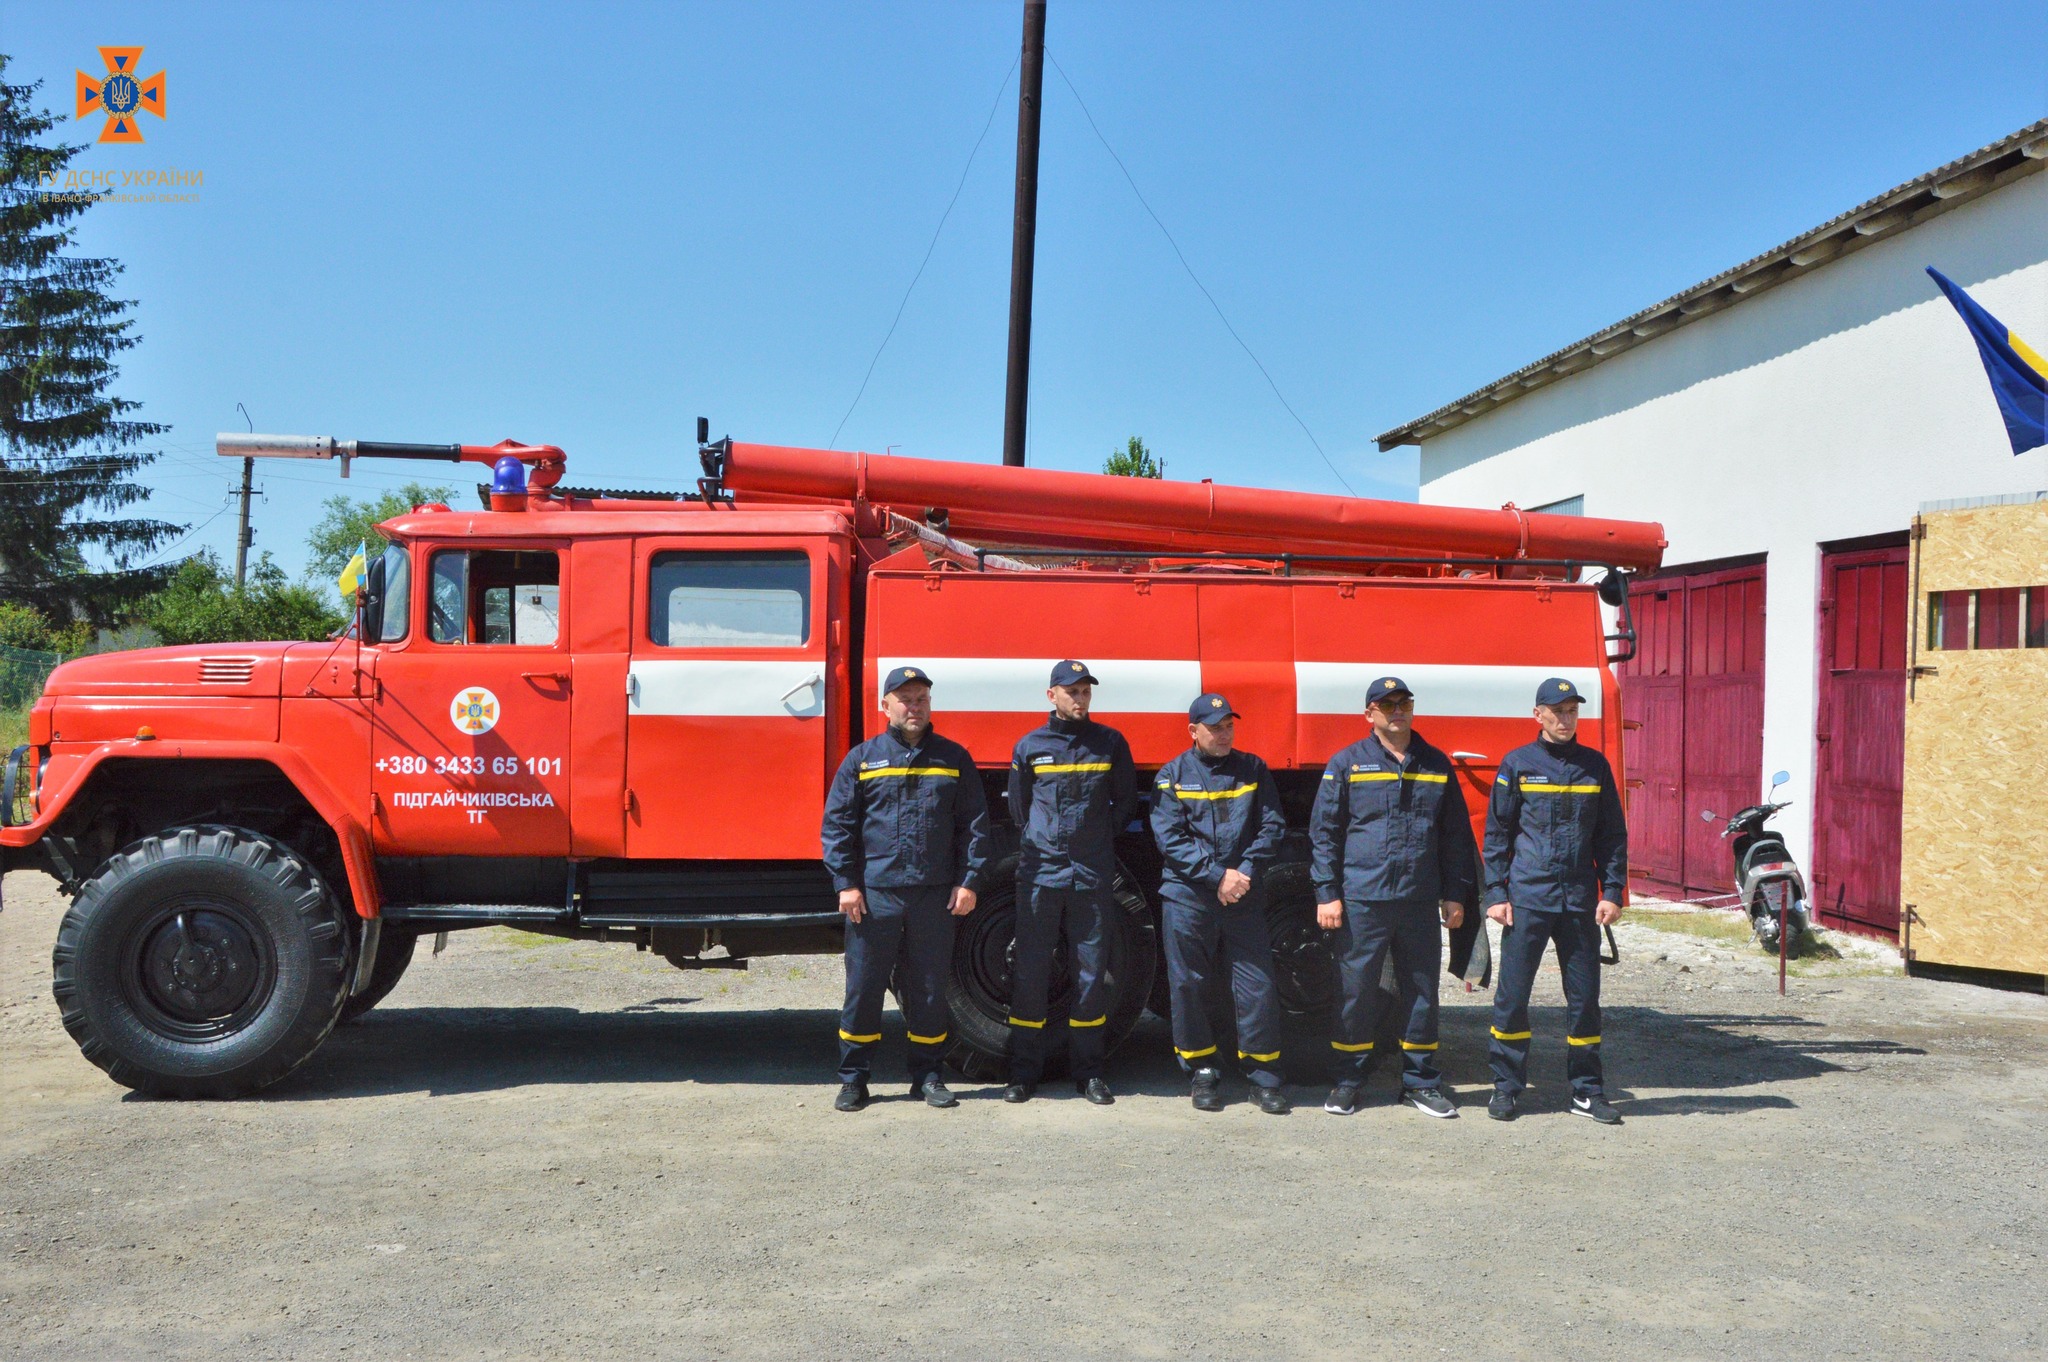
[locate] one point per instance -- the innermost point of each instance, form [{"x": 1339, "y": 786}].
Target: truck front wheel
[
  {"x": 978, "y": 990},
  {"x": 207, "y": 961}
]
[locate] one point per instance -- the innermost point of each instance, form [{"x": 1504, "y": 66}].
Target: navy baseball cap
[
  {"x": 1557, "y": 691},
  {"x": 1210, "y": 708},
  {"x": 1388, "y": 688},
  {"x": 905, "y": 676},
  {"x": 1071, "y": 673}
]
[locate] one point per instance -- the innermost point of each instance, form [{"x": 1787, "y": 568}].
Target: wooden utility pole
[
  {"x": 243, "y": 534},
  {"x": 1023, "y": 242}
]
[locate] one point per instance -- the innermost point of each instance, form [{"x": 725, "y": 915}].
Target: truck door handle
[
  {"x": 1468, "y": 756},
  {"x": 813, "y": 679},
  {"x": 561, "y": 678},
  {"x": 632, "y": 688}
]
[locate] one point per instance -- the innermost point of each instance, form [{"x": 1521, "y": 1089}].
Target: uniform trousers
[
  {"x": 1369, "y": 932},
  {"x": 912, "y": 926},
  {"x": 1198, "y": 924},
  {"x": 1041, "y": 915},
  {"x": 1578, "y": 959}
]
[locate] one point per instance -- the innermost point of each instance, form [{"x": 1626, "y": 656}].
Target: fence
[{"x": 22, "y": 673}]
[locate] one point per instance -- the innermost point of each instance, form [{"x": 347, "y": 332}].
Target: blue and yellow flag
[
  {"x": 2019, "y": 376},
  {"x": 351, "y": 579}
]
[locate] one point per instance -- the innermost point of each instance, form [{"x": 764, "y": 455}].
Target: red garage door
[
  {"x": 1693, "y": 706},
  {"x": 1861, "y": 765}
]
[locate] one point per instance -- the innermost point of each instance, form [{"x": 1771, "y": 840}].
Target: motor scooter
[{"x": 1769, "y": 882}]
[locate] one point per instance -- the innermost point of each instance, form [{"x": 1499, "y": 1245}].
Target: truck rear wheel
[
  {"x": 394, "y": 953},
  {"x": 207, "y": 961},
  {"x": 978, "y": 989}
]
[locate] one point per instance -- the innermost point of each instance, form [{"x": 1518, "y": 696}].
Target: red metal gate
[
  {"x": 1860, "y": 770},
  {"x": 1693, "y": 700}
]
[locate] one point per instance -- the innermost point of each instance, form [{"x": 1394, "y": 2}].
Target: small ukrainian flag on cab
[
  {"x": 2018, "y": 373},
  {"x": 351, "y": 579}
]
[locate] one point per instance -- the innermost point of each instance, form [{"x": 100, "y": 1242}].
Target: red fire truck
[{"x": 614, "y": 716}]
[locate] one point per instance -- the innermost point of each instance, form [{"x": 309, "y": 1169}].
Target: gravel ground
[{"x": 569, "y": 1150}]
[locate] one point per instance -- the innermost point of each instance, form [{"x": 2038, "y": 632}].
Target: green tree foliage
[
  {"x": 67, "y": 445},
  {"x": 349, "y": 522},
  {"x": 201, "y": 605},
  {"x": 24, "y": 626},
  {"x": 1134, "y": 461}
]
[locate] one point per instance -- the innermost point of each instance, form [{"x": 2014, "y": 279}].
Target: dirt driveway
[{"x": 553, "y": 1150}]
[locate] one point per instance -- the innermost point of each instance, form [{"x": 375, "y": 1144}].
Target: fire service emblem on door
[{"x": 474, "y": 711}]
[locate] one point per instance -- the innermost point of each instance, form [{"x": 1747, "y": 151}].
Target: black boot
[
  {"x": 852, "y": 1097},
  {"x": 1097, "y": 1091},
  {"x": 1202, "y": 1090}
]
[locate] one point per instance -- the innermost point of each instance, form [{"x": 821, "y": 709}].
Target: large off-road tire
[
  {"x": 978, "y": 988},
  {"x": 207, "y": 961},
  {"x": 394, "y": 953}
]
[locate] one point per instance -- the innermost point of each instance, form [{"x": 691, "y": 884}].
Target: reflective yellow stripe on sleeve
[
  {"x": 910, "y": 771},
  {"x": 1350, "y": 1049},
  {"x": 1499, "y": 1034},
  {"x": 1582, "y": 1040},
  {"x": 846, "y": 1035},
  {"x": 1213, "y": 794}
]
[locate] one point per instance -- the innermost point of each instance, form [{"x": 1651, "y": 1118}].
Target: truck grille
[{"x": 227, "y": 671}]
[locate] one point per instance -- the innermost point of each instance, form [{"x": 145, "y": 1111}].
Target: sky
[{"x": 588, "y": 225}]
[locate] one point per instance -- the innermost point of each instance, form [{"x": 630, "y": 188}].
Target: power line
[
  {"x": 834, "y": 442},
  {"x": 1191, "y": 271}
]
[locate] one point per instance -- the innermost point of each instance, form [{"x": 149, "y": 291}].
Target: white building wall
[{"x": 1826, "y": 408}]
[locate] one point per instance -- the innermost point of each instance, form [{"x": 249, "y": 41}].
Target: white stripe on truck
[
  {"x": 1474, "y": 692},
  {"x": 705, "y": 688},
  {"x": 1016, "y": 685}
]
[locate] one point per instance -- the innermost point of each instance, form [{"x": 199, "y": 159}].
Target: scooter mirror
[
  {"x": 1707, "y": 815},
  {"x": 1779, "y": 778}
]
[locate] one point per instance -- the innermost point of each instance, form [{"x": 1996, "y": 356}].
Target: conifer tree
[{"x": 68, "y": 455}]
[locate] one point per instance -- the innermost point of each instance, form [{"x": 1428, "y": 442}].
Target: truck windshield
[{"x": 397, "y": 594}]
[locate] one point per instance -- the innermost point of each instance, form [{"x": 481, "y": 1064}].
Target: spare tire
[
  {"x": 206, "y": 961},
  {"x": 978, "y": 987}
]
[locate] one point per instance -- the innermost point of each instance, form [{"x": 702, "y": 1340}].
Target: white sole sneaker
[
  {"x": 1330, "y": 1105},
  {"x": 1451, "y": 1114}
]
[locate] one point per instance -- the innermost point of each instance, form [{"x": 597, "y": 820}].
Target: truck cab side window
[
  {"x": 397, "y": 617},
  {"x": 494, "y": 596},
  {"x": 730, "y": 600}
]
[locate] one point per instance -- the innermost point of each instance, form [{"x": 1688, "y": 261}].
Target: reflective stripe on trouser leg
[
  {"x": 927, "y": 955},
  {"x": 1360, "y": 943},
  {"x": 1521, "y": 951},
  {"x": 1038, "y": 934},
  {"x": 1248, "y": 946},
  {"x": 1192, "y": 933},
  {"x": 1418, "y": 964},
  {"x": 1087, "y": 921},
  {"x": 1578, "y": 960},
  {"x": 871, "y": 948}
]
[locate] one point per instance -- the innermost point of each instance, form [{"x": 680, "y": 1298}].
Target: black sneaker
[
  {"x": 852, "y": 1097},
  {"x": 1272, "y": 1101},
  {"x": 1430, "y": 1102},
  {"x": 1597, "y": 1107},
  {"x": 1343, "y": 1100},
  {"x": 1019, "y": 1092},
  {"x": 935, "y": 1093},
  {"x": 1501, "y": 1106},
  {"x": 1096, "y": 1090},
  {"x": 1202, "y": 1090}
]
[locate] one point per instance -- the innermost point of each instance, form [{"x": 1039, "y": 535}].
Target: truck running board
[{"x": 713, "y": 920}]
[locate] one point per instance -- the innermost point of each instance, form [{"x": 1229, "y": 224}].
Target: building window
[
  {"x": 1569, "y": 506},
  {"x": 1992, "y": 618},
  {"x": 2037, "y": 617},
  {"x": 1998, "y": 618}
]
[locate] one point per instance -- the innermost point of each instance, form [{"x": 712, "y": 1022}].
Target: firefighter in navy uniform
[
  {"x": 1216, "y": 816},
  {"x": 1391, "y": 855},
  {"x": 1556, "y": 864},
  {"x": 906, "y": 841},
  {"x": 1072, "y": 786}
]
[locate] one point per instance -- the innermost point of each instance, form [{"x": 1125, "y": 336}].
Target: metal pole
[
  {"x": 242, "y": 538},
  {"x": 1024, "y": 236},
  {"x": 1783, "y": 899}
]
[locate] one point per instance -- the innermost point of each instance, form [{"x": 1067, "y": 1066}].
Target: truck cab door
[
  {"x": 470, "y": 753},
  {"x": 732, "y": 695}
]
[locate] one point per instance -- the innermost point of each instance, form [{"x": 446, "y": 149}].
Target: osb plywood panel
[
  {"x": 1975, "y": 846},
  {"x": 1986, "y": 546}
]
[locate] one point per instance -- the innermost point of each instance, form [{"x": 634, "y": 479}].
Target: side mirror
[
  {"x": 703, "y": 430},
  {"x": 1779, "y": 778},
  {"x": 1613, "y": 589},
  {"x": 1707, "y": 815},
  {"x": 373, "y": 601}
]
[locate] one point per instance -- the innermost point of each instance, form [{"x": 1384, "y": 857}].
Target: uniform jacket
[
  {"x": 1389, "y": 831},
  {"x": 1072, "y": 786},
  {"x": 1212, "y": 814},
  {"x": 1555, "y": 837},
  {"x": 899, "y": 816}
]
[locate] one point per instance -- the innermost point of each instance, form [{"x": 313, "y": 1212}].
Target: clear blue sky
[{"x": 586, "y": 225}]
